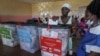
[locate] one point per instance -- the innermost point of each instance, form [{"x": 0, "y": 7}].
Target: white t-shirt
[{"x": 68, "y": 22}]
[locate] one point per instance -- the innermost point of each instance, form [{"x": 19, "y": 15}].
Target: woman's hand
[{"x": 55, "y": 18}]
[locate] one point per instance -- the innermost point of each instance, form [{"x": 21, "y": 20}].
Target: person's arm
[{"x": 93, "y": 54}]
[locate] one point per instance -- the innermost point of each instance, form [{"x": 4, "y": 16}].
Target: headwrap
[{"x": 66, "y": 5}]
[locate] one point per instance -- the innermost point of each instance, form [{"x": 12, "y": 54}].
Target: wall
[
  {"x": 14, "y": 10},
  {"x": 11, "y": 10},
  {"x": 56, "y": 6}
]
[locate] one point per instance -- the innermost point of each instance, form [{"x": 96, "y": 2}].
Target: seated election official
[{"x": 90, "y": 44}]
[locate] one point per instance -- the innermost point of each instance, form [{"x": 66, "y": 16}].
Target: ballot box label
[{"x": 51, "y": 45}]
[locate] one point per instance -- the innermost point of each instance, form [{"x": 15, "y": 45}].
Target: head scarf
[{"x": 66, "y": 5}]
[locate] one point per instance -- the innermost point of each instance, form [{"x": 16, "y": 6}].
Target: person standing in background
[
  {"x": 64, "y": 19},
  {"x": 90, "y": 44},
  {"x": 83, "y": 27},
  {"x": 67, "y": 20}
]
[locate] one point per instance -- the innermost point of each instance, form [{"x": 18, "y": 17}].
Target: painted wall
[
  {"x": 55, "y": 7},
  {"x": 11, "y": 10}
]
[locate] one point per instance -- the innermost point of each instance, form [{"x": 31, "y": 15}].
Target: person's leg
[{"x": 70, "y": 44}]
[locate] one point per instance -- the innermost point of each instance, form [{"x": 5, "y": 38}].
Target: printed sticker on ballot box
[{"x": 51, "y": 45}]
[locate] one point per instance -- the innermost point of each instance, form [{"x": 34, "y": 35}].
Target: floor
[{"x": 16, "y": 51}]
